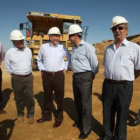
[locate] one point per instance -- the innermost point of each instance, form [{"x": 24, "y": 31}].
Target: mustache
[{"x": 118, "y": 33}]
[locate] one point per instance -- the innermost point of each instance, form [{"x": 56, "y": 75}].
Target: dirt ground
[{"x": 10, "y": 129}]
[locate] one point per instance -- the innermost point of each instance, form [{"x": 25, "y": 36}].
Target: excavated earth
[{"x": 10, "y": 129}]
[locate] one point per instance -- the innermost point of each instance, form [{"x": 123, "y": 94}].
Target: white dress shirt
[
  {"x": 51, "y": 58},
  {"x": 18, "y": 61},
  {"x": 120, "y": 63}
]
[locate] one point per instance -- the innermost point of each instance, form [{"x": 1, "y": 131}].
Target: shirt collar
[
  {"x": 124, "y": 43},
  {"x": 52, "y": 45},
  {"x": 19, "y": 49},
  {"x": 80, "y": 44}
]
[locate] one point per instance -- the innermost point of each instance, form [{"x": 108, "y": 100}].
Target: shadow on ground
[
  {"x": 132, "y": 115},
  {"x": 69, "y": 108},
  {"x": 97, "y": 127},
  {"x": 6, "y": 129},
  {"x": 40, "y": 99},
  {"x": 6, "y": 96},
  {"x": 98, "y": 95}
]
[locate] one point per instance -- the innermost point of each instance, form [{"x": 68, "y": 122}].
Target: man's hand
[
  {"x": 93, "y": 76},
  {"x": 42, "y": 72},
  {"x": 64, "y": 71}
]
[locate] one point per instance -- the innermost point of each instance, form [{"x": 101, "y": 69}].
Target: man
[
  {"x": 52, "y": 66},
  {"x": 85, "y": 66},
  {"x": 18, "y": 64},
  {"x": 1, "y": 98},
  {"x": 136, "y": 121},
  {"x": 121, "y": 61}
]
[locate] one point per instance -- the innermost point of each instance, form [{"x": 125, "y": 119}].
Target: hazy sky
[{"x": 97, "y": 14}]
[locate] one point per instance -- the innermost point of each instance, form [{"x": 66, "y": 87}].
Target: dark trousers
[
  {"x": 116, "y": 98},
  {"x": 23, "y": 92},
  {"x": 53, "y": 82},
  {"x": 0, "y": 88},
  {"x": 82, "y": 88}
]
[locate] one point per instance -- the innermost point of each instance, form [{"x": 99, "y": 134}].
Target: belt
[
  {"x": 82, "y": 72},
  {"x": 115, "y": 81},
  {"x": 51, "y": 72},
  {"x": 21, "y": 75}
]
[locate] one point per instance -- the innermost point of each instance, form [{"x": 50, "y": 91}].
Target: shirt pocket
[
  {"x": 126, "y": 60},
  {"x": 59, "y": 54}
]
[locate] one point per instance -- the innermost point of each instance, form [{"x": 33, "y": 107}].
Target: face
[
  {"x": 18, "y": 43},
  {"x": 120, "y": 32},
  {"x": 54, "y": 39},
  {"x": 72, "y": 38}
]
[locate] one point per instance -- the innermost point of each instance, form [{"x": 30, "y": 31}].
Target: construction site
[{"x": 11, "y": 129}]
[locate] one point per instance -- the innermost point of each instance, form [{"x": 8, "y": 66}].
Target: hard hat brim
[
  {"x": 18, "y": 39},
  {"x": 80, "y": 33},
  {"x": 54, "y": 34},
  {"x": 118, "y": 24}
]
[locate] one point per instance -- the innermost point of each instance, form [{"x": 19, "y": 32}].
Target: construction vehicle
[{"x": 37, "y": 28}]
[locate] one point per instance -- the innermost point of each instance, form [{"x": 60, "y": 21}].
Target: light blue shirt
[
  {"x": 120, "y": 63},
  {"x": 18, "y": 61},
  {"x": 51, "y": 58},
  {"x": 84, "y": 58}
]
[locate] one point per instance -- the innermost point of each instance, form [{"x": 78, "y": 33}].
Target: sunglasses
[
  {"x": 71, "y": 35},
  {"x": 120, "y": 28}
]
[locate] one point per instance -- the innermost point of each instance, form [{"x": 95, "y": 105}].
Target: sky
[{"x": 96, "y": 14}]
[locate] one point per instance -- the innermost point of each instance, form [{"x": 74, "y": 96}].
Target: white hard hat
[
  {"x": 74, "y": 28},
  {"x": 118, "y": 20},
  {"x": 54, "y": 30},
  {"x": 16, "y": 35}
]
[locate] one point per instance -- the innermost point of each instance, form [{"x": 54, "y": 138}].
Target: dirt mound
[{"x": 100, "y": 47}]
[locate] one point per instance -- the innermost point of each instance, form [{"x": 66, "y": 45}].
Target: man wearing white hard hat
[
  {"x": 122, "y": 65},
  {"x": 18, "y": 64},
  {"x": 52, "y": 65},
  {"x": 85, "y": 66}
]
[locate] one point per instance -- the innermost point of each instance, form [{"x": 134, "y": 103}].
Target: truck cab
[{"x": 40, "y": 23}]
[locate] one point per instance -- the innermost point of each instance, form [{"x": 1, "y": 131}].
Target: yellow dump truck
[{"x": 37, "y": 28}]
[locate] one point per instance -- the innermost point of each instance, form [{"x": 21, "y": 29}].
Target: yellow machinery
[{"x": 36, "y": 33}]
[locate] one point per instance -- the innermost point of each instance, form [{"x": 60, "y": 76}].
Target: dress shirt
[
  {"x": 84, "y": 58},
  {"x": 120, "y": 63},
  {"x": 1, "y": 53},
  {"x": 18, "y": 61},
  {"x": 51, "y": 58}
]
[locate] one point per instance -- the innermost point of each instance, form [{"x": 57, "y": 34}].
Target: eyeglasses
[{"x": 120, "y": 28}]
